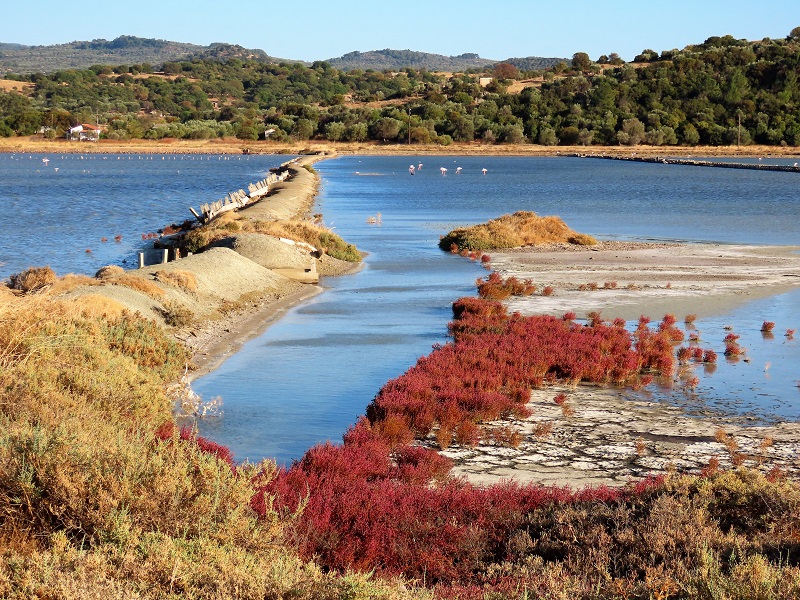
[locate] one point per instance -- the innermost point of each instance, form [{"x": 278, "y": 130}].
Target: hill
[
  {"x": 124, "y": 50},
  {"x": 536, "y": 63},
  {"x": 131, "y": 50},
  {"x": 395, "y": 60}
]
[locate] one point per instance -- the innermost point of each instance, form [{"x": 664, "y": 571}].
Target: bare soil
[
  {"x": 235, "y": 146},
  {"x": 610, "y": 440}
]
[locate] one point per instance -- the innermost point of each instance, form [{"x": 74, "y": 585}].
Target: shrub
[
  {"x": 140, "y": 285},
  {"x": 582, "y": 239},
  {"x": 494, "y": 287},
  {"x": 510, "y": 231},
  {"x": 109, "y": 272},
  {"x": 177, "y": 315},
  {"x": 181, "y": 279},
  {"x": 542, "y": 429},
  {"x": 32, "y": 280}
]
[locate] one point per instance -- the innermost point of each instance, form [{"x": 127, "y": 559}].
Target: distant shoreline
[{"x": 35, "y": 144}]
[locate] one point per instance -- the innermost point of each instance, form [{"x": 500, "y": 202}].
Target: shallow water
[
  {"x": 312, "y": 374},
  {"x": 54, "y": 211}
]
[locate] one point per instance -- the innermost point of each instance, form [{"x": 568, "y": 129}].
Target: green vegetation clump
[{"x": 523, "y": 228}]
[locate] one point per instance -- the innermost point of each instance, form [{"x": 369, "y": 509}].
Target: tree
[
  {"x": 632, "y": 132},
  {"x": 505, "y": 70},
  {"x": 334, "y": 131},
  {"x": 547, "y": 137},
  {"x": 386, "y": 128},
  {"x": 303, "y": 129},
  {"x": 357, "y": 132},
  {"x": 570, "y": 135},
  {"x": 581, "y": 61},
  {"x": 513, "y": 134},
  {"x": 647, "y": 55}
]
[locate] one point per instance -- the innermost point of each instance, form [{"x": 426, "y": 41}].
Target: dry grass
[
  {"x": 69, "y": 282},
  {"x": 32, "y": 280},
  {"x": 181, "y": 279},
  {"x": 310, "y": 233},
  {"x": 522, "y": 228},
  {"x": 94, "y": 505},
  {"x": 95, "y": 306},
  {"x": 140, "y": 285},
  {"x": 109, "y": 272},
  {"x": 307, "y": 232}
]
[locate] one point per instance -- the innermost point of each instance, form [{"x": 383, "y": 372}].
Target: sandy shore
[
  {"x": 634, "y": 279},
  {"x": 36, "y": 144},
  {"x": 610, "y": 440}
]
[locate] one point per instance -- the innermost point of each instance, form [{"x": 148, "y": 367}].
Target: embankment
[
  {"x": 689, "y": 162},
  {"x": 230, "y": 291}
]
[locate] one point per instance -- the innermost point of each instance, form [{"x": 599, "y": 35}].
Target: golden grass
[
  {"x": 33, "y": 280},
  {"x": 140, "y": 285},
  {"x": 109, "y": 272},
  {"x": 96, "y": 306},
  {"x": 69, "y": 282},
  {"x": 523, "y": 228},
  {"x": 310, "y": 233},
  {"x": 94, "y": 505},
  {"x": 318, "y": 236},
  {"x": 182, "y": 279}
]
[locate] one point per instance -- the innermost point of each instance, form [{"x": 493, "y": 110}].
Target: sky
[{"x": 320, "y": 29}]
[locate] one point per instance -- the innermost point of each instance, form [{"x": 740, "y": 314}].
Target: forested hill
[
  {"x": 722, "y": 91},
  {"x": 124, "y": 50},
  {"x": 396, "y": 60},
  {"x": 130, "y": 50}
]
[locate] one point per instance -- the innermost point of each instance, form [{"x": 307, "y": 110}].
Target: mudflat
[
  {"x": 603, "y": 438},
  {"x": 630, "y": 279}
]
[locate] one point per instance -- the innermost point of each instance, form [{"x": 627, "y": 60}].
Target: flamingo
[
  {"x": 443, "y": 170},
  {"x": 411, "y": 169},
  {"x": 419, "y": 167},
  {"x": 458, "y": 170},
  {"x": 484, "y": 171}
]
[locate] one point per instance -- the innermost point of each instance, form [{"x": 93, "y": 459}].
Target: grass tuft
[
  {"x": 182, "y": 279},
  {"x": 522, "y": 228},
  {"x": 33, "y": 280}
]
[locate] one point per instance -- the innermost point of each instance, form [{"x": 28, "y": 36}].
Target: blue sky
[{"x": 319, "y": 29}]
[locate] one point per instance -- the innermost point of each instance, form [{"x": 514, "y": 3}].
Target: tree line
[{"x": 721, "y": 92}]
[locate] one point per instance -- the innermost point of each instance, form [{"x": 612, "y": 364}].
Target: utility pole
[{"x": 739, "y": 133}]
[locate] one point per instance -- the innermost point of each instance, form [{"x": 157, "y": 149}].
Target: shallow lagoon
[
  {"x": 311, "y": 375},
  {"x": 58, "y": 206}
]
